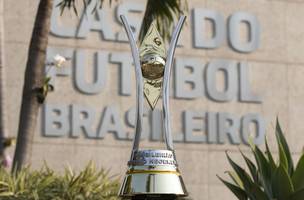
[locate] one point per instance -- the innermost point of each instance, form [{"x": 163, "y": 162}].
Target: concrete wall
[{"x": 276, "y": 74}]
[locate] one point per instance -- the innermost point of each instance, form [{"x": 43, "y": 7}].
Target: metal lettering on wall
[{"x": 213, "y": 127}]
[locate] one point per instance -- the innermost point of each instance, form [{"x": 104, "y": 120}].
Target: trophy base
[
  {"x": 153, "y": 197},
  {"x": 153, "y": 174}
]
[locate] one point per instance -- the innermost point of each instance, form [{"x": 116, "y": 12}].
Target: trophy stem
[
  {"x": 139, "y": 86},
  {"x": 166, "y": 83}
]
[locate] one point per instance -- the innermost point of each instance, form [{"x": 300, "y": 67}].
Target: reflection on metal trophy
[{"x": 153, "y": 174}]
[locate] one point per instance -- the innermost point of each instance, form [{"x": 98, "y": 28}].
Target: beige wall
[{"x": 276, "y": 73}]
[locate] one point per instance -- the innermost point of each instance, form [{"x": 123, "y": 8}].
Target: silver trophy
[{"x": 153, "y": 174}]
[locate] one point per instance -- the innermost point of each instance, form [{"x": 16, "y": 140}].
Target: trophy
[{"x": 153, "y": 174}]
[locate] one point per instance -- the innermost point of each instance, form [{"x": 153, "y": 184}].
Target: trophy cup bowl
[{"x": 153, "y": 174}]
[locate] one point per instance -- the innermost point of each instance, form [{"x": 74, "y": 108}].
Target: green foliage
[
  {"x": 164, "y": 12},
  {"x": 266, "y": 179},
  {"x": 45, "y": 184},
  {"x": 71, "y": 4},
  {"x": 44, "y": 90}
]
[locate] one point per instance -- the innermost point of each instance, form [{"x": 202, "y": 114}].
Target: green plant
[
  {"x": 267, "y": 179},
  {"x": 45, "y": 184}
]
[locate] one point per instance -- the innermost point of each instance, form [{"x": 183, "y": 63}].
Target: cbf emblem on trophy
[{"x": 153, "y": 174}]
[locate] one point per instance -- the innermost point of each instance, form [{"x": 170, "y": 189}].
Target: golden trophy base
[
  {"x": 154, "y": 197},
  {"x": 153, "y": 172}
]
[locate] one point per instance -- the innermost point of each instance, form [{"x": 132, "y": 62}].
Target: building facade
[{"x": 238, "y": 66}]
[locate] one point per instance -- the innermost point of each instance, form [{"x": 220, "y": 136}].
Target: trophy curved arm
[
  {"x": 166, "y": 83},
  {"x": 139, "y": 85}
]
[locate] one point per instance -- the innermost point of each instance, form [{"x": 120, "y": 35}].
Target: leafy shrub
[
  {"x": 45, "y": 184},
  {"x": 268, "y": 180}
]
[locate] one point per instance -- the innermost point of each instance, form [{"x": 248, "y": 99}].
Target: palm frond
[
  {"x": 165, "y": 13},
  {"x": 71, "y": 4}
]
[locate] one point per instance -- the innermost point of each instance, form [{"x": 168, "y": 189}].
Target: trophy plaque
[{"x": 153, "y": 174}]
